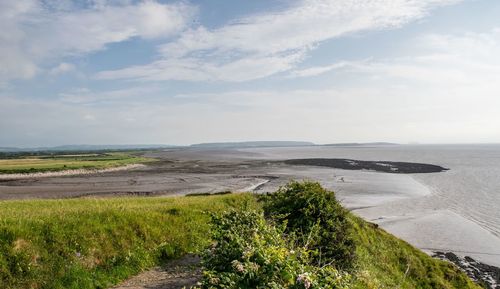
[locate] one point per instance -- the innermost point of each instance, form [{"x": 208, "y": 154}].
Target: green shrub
[
  {"x": 316, "y": 219},
  {"x": 250, "y": 253}
]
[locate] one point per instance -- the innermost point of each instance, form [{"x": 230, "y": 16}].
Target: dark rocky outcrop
[
  {"x": 487, "y": 275},
  {"x": 379, "y": 166}
]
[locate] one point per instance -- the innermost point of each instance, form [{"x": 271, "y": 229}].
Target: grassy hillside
[
  {"x": 93, "y": 243},
  {"x": 46, "y": 163},
  {"x": 385, "y": 261}
]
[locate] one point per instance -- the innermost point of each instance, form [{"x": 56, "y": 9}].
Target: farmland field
[{"x": 52, "y": 163}]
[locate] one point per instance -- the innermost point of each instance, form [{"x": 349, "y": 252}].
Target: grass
[
  {"x": 94, "y": 243},
  {"x": 51, "y": 163},
  {"x": 385, "y": 261}
]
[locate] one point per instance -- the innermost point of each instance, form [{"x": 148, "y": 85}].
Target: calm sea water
[{"x": 471, "y": 188}]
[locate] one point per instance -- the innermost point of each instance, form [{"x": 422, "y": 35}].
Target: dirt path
[{"x": 176, "y": 274}]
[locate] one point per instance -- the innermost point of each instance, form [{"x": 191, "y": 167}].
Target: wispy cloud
[
  {"x": 63, "y": 67},
  {"x": 268, "y": 43},
  {"x": 34, "y": 32},
  {"x": 202, "y": 69},
  {"x": 318, "y": 70},
  {"x": 86, "y": 96},
  {"x": 445, "y": 60},
  {"x": 441, "y": 87},
  {"x": 444, "y": 90}
]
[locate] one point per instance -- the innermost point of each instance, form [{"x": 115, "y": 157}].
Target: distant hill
[
  {"x": 110, "y": 147},
  {"x": 355, "y": 144},
  {"x": 7, "y": 149},
  {"x": 86, "y": 148},
  {"x": 253, "y": 144}
]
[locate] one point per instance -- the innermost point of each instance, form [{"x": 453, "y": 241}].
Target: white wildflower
[{"x": 305, "y": 279}]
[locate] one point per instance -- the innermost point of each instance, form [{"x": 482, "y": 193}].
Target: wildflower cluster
[{"x": 249, "y": 252}]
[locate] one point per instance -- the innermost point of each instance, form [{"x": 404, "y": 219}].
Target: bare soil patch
[{"x": 184, "y": 272}]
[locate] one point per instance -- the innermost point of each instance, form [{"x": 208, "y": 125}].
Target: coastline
[
  {"x": 477, "y": 271},
  {"x": 405, "y": 205},
  {"x": 440, "y": 233}
]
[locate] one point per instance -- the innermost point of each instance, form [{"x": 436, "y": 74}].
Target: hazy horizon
[
  {"x": 152, "y": 145},
  {"x": 182, "y": 72}
]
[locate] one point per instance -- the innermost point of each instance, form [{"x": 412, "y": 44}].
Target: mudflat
[{"x": 176, "y": 171}]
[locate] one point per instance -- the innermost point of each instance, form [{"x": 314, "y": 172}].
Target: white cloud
[
  {"x": 13, "y": 63},
  {"x": 444, "y": 90},
  {"x": 318, "y": 70},
  {"x": 196, "y": 69},
  {"x": 34, "y": 32},
  {"x": 469, "y": 60},
  {"x": 90, "y": 30},
  {"x": 302, "y": 25},
  {"x": 447, "y": 92},
  {"x": 261, "y": 40},
  {"x": 63, "y": 67},
  {"x": 86, "y": 96}
]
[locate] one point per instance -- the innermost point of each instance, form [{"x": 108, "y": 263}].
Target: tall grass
[
  {"x": 384, "y": 261},
  {"x": 94, "y": 243}
]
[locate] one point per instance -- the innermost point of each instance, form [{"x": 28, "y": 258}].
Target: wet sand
[{"x": 65, "y": 173}]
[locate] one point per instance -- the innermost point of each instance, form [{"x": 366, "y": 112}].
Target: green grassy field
[
  {"x": 51, "y": 163},
  {"x": 94, "y": 243}
]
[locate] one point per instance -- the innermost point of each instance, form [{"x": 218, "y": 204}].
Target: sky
[{"x": 182, "y": 72}]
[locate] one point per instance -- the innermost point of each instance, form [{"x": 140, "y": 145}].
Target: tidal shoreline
[{"x": 479, "y": 272}]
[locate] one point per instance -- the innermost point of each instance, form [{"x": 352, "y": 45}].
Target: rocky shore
[
  {"x": 487, "y": 275},
  {"x": 379, "y": 166}
]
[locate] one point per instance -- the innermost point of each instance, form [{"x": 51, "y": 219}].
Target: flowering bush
[
  {"x": 249, "y": 252},
  {"x": 317, "y": 221}
]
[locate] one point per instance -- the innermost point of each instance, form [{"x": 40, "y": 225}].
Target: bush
[
  {"x": 316, "y": 219},
  {"x": 250, "y": 253}
]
